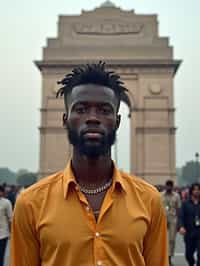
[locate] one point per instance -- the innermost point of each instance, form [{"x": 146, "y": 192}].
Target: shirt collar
[
  {"x": 69, "y": 180},
  {"x": 118, "y": 181}
]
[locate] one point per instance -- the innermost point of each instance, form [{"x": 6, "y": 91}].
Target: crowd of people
[{"x": 182, "y": 208}]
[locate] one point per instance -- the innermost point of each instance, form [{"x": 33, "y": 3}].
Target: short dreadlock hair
[{"x": 95, "y": 74}]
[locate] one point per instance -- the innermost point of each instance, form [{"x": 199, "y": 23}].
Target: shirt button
[
  {"x": 87, "y": 209},
  {"x": 97, "y": 234},
  {"x": 76, "y": 187},
  {"x": 99, "y": 263}
]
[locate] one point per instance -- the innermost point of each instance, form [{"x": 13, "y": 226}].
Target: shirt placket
[
  {"x": 96, "y": 225},
  {"x": 87, "y": 209},
  {"x": 98, "y": 238}
]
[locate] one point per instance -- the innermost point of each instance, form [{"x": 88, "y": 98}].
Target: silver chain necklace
[{"x": 97, "y": 190}]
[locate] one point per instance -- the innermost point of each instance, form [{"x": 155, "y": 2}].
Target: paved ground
[{"x": 178, "y": 260}]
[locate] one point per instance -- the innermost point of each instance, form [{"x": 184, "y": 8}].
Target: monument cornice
[
  {"x": 153, "y": 109},
  {"x": 123, "y": 63},
  {"x": 52, "y": 129},
  {"x": 50, "y": 109},
  {"x": 153, "y": 129},
  {"x": 147, "y": 173}
]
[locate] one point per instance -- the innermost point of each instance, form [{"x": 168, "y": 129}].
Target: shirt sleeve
[
  {"x": 9, "y": 211},
  {"x": 24, "y": 242},
  {"x": 181, "y": 220},
  {"x": 156, "y": 242}
]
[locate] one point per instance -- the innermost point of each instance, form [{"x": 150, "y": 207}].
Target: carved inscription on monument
[{"x": 108, "y": 28}]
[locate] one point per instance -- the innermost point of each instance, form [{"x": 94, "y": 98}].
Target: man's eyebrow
[{"x": 89, "y": 103}]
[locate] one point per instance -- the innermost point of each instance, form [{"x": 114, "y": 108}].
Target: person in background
[
  {"x": 90, "y": 213},
  {"x": 5, "y": 222},
  {"x": 172, "y": 204},
  {"x": 184, "y": 194},
  {"x": 11, "y": 194},
  {"x": 189, "y": 224}
]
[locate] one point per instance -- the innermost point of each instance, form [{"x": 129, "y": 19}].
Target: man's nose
[{"x": 93, "y": 116}]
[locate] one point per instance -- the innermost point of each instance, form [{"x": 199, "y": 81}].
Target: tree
[
  {"x": 7, "y": 176},
  {"x": 26, "y": 179},
  {"x": 22, "y": 171},
  {"x": 180, "y": 181},
  {"x": 191, "y": 172}
]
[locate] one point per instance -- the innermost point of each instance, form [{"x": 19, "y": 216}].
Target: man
[
  {"x": 11, "y": 194},
  {"x": 189, "y": 223},
  {"x": 172, "y": 204},
  {"x": 90, "y": 213},
  {"x": 5, "y": 220}
]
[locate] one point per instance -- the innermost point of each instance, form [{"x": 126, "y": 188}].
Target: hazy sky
[{"x": 24, "y": 28}]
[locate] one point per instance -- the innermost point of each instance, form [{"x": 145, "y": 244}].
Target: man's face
[
  {"x": 196, "y": 191},
  {"x": 169, "y": 188},
  {"x": 92, "y": 119},
  {"x": 1, "y": 194}
]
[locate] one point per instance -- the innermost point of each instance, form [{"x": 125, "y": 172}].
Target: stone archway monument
[{"x": 131, "y": 46}]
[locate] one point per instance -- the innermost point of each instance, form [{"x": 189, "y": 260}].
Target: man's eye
[
  {"x": 80, "y": 110},
  {"x": 106, "y": 111}
]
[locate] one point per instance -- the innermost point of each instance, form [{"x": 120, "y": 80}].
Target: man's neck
[{"x": 92, "y": 172}]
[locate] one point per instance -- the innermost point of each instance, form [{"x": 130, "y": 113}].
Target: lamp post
[{"x": 197, "y": 165}]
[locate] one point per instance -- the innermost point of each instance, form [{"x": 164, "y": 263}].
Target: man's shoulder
[
  {"x": 139, "y": 184},
  {"x": 41, "y": 185},
  {"x": 6, "y": 202},
  {"x": 174, "y": 194}
]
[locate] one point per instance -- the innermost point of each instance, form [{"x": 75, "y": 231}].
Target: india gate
[{"x": 131, "y": 46}]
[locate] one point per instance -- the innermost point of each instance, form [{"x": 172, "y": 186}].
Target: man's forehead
[{"x": 91, "y": 91}]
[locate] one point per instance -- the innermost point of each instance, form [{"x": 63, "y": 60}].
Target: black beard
[{"x": 91, "y": 151}]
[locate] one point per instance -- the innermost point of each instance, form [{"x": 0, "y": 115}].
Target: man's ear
[
  {"x": 65, "y": 116},
  {"x": 118, "y": 121}
]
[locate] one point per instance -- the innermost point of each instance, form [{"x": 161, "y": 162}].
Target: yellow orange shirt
[{"x": 53, "y": 225}]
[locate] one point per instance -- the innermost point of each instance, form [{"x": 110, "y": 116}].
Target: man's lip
[
  {"x": 93, "y": 135},
  {"x": 93, "y": 131}
]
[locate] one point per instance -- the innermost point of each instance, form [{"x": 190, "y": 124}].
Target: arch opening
[{"x": 121, "y": 148}]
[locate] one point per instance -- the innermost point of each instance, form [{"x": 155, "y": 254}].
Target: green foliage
[
  {"x": 22, "y": 177},
  {"x": 191, "y": 172},
  {"x": 26, "y": 179},
  {"x": 7, "y": 176},
  {"x": 180, "y": 181},
  {"x": 22, "y": 171}
]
